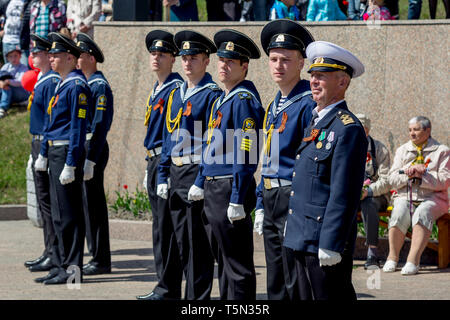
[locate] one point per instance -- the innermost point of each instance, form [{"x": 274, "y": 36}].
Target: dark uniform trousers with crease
[
  {"x": 280, "y": 262},
  {"x": 194, "y": 250},
  {"x": 96, "y": 212},
  {"x": 67, "y": 212},
  {"x": 42, "y": 188},
  {"x": 232, "y": 244},
  {"x": 327, "y": 282},
  {"x": 165, "y": 249}
]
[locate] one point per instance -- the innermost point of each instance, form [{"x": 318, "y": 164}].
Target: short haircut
[{"x": 424, "y": 122}]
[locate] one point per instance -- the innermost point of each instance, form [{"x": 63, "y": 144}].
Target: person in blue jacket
[
  {"x": 97, "y": 154},
  {"x": 181, "y": 155},
  {"x": 327, "y": 180},
  {"x": 284, "y": 9},
  {"x": 37, "y": 106},
  {"x": 182, "y": 10},
  {"x": 324, "y": 10},
  {"x": 286, "y": 117},
  {"x": 63, "y": 150},
  {"x": 163, "y": 50},
  {"x": 229, "y": 162}
]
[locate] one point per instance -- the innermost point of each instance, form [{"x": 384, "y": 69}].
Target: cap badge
[
  {"x": 34, "y": 43},
  {"x": 53, "y": 45},
  {"x": 280, "y": 38},
  {"x": 79, "y": 44},
  {"x": 186, "y": 45},
  {"x": 158, "y": 43},
  {"x": 230, "y": 46},
  {"x": 319, "y": 60}
]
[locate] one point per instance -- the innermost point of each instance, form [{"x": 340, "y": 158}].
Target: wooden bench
[{"x": 443, "y": 245}]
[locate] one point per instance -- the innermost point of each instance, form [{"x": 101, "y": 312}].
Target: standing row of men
[
  {"x": 202, "y": 190},
  {"x": 71, "y": 111}
]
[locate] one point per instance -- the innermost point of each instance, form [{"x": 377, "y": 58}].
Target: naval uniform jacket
[
  {"x": 240, "y": 112},
  {"x": 326, "y": 186},
  {"x": 103, "y": 111},
  {"x": 186, "y": 118},
  {"x": 287, "y": 134},
  {"x": 68, "y": 110},
  {"x": 39, "y": 99},
  {"x": 155, "y": 115}
]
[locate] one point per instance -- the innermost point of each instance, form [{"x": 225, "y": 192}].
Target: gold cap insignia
[
  {"x": 158, "y": 43},
  {"x": 34, "y": 43},
  {"x": 230, "y": 46},
  {"x": 186, "y": 45},
  {"x": 78, "y": 43},
  {"x": 319, "y": 60},
  {"x": 53, "y": 45},
  {"x": 280, "y": 38}
]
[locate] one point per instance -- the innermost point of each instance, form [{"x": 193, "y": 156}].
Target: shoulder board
[
  {"x": 244, "y": 95},
  {"x": 80, "y": 83},
  {"x": 213, "y": 87},
  {"x": 345, "y": 117}
]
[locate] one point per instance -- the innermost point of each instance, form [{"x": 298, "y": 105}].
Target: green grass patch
[
  {"x": 15, "y": 146},
  {"x": 202, "y": 13}
]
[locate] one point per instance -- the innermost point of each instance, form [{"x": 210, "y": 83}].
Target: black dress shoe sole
[
  {"x": 95, "y": 271},
  {"x": 45, "y": 278}
]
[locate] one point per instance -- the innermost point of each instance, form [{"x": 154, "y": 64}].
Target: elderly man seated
[
  {"x": 421, "y": 175},
  {"x": 375, "y": 193}
]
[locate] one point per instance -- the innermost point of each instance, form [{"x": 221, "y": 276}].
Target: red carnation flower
[{"x": 125, "y": 186}]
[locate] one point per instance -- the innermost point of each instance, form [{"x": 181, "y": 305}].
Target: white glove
[
  {"x": 41, "y": 163},
  {"x": 144, "y": 183},
  {"x": 162, "y": 190},
  {"x": 235, "y": 212},
  {"x": 67, "y": 175},
  {"x": 328, "y": 257},
  {"x": 30, "y": 162},
  {"x": 88, "y": 170},
  {"x": 195, "y": 193},
  {"x": 259, "y": 219}
]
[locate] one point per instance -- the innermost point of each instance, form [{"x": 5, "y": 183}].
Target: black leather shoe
[
  {"x": 53, "y": 273},
  {"x": 58, "y": 279},
  {"x": 151, "y": 296},
  {"x": 90, "y": 270},
  {"x": 372, "y": 263},
  {"x": 30, "y": 263},
  {"x": 45, "y": 265}
]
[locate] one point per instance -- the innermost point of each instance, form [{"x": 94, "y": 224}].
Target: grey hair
[{"x": 424, "y": 122}]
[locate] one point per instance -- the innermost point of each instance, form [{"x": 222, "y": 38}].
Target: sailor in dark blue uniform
[
  {"x": 163, "y": 50},
  {"x": 97, "y": 154},
  {"x": 229, "y": 162},
  {"x": 37, "y": 105},
  {"x": 284, "y": 41},
  {"x": 63, "y": 142},
  {"x": 327, "y": 180},
  {"x": 186, "y": 119}
]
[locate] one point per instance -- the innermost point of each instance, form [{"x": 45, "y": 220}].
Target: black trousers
[
  {"x": 96, "y": 212},
  {"x": 326, "y": 282},
  {"x": 165, "y": 249},
  {"x": 232, "y": 243},
  {"x": 281, "y": 275},
  {"x": 194, "y": 250},
  {"x": 42, "y": 188},
  {"x": 67, "y": 212}
]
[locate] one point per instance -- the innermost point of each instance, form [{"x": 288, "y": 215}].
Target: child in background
[
  {"x": 11, "y": 90},
  {"x": 284, "y": 9},
  {"x": 376, "y": 11}
]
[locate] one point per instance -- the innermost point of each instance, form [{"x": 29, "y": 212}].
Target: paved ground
[{"x": 133, "y": 273}]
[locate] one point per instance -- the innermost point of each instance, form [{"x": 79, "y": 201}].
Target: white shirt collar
[{"x": 322, "y": 113}]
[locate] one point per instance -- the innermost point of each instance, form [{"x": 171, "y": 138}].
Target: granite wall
[{"x": 407, "y": 74}]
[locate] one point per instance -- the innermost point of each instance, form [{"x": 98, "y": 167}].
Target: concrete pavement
[{"x": 133, "y": 273}]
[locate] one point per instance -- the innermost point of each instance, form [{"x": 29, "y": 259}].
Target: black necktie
[{"x": 314, "y": 117}]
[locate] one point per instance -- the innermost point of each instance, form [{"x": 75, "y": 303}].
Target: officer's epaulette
[
  {"x": 80, "y": 83},
  {"x": 214, "y": 87},
  {"x": 345, "y": 117},
  {"x": 244, "y": 95}
]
